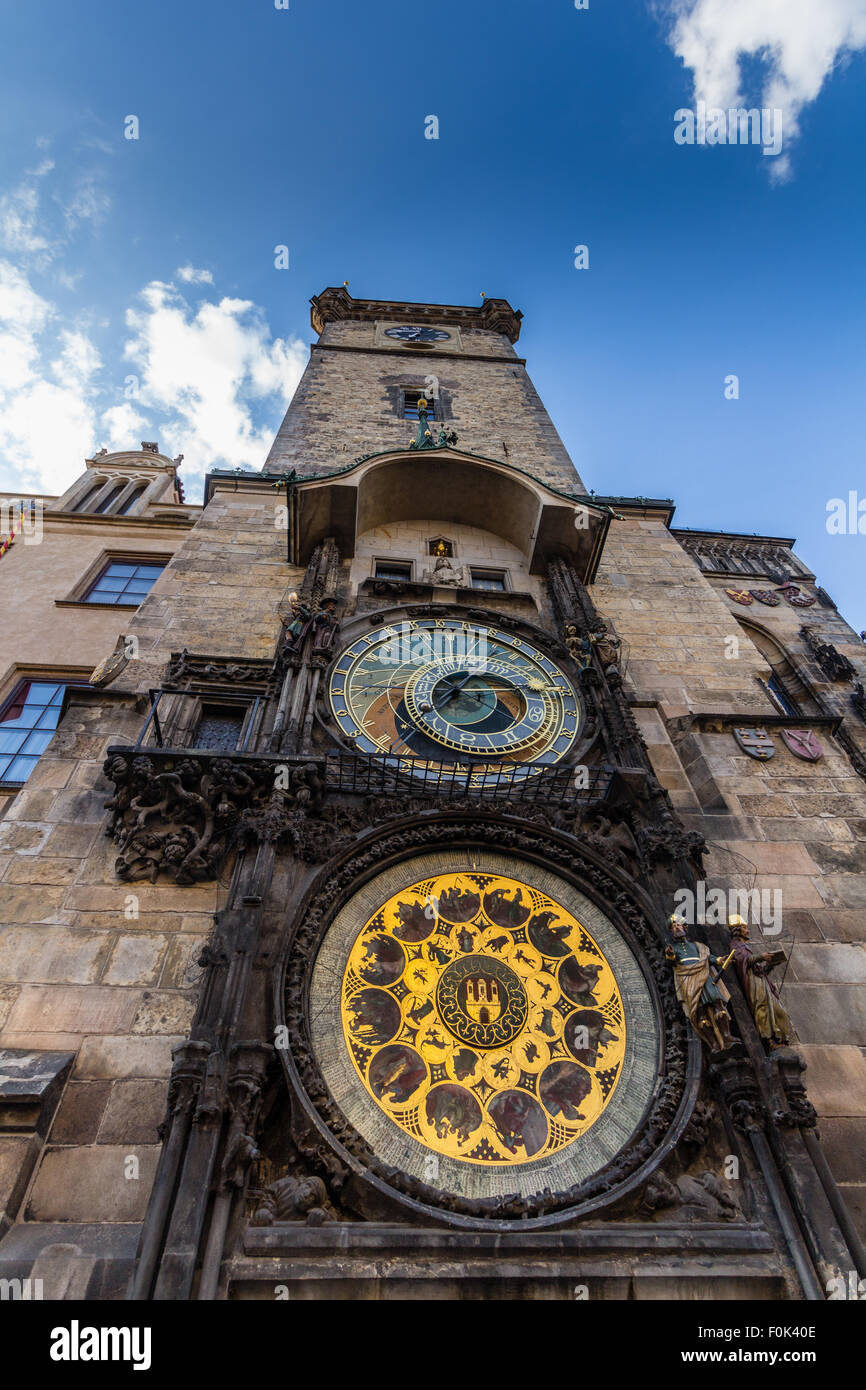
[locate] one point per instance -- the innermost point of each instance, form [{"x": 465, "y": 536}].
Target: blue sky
[{"x": 153, "y": 259}]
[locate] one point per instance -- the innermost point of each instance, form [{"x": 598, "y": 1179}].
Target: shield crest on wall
[
  {"x": 756, "y": 742},
  {"x": 803, "y": 744},
  {"x": 795, "y": 596},
  {"x": 766, "y": 596},
  {"x": 740, "y": 596}
]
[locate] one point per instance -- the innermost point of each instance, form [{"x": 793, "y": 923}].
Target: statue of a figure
[
  {"x": 753, "y": 970},
  {"x": 297, "y": 629},
  {"x": 580, "y": 648},
  {"x": 325, "y": 626},
  {"x": 445, "y": 573},
  {"x": 607, "y": 645},
  {"x": 702, "y": 993}
]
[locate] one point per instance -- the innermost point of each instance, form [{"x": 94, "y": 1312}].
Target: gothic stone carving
[
  {"x": 835, "y": 666},
  {"x": 180, "y": 816}
]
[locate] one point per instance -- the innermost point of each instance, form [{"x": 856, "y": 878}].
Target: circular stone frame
[{"x": 676, "y": 1066}]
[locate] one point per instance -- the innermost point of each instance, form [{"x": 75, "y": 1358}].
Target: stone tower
[{"x": 408, "y": 709}]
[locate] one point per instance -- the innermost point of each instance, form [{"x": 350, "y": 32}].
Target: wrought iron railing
[{"x": 453, "y": 781}]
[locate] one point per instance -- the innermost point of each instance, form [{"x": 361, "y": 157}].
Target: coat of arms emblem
[
  {"x": 766, "y": 596},
  {"x": 803, "y": 744},
  {"x": 795, "y": 596},
  {"x": 756, "y": 742},
  {"x": 740, "y": 596}
]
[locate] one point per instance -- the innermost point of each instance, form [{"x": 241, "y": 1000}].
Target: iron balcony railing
[{"x": 544, "y": 782}]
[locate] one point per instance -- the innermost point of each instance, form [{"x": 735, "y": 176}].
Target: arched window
[
  {"x": 785, "y": 687},
  {"x": 88, "y": 496},
  {"x": 111, "y": 497},
  {"x": 135, "y": 496}
]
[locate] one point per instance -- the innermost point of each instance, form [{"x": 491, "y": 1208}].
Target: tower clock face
[
  {"x": 453, "y": 693},
  {"x": 407, "y": 333}
]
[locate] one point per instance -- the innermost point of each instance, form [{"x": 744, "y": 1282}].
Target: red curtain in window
[{"x": 16, "y": 705}]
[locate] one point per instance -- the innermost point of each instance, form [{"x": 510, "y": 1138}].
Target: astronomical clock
[{"x": 454, "y": 693}]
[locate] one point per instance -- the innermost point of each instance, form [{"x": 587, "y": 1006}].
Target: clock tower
[{"x": 444, "y": 757}]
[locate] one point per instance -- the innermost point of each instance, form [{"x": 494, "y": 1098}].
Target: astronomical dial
[{"x": 453, "y": 692}]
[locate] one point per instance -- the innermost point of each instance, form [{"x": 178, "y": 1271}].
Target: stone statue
[
  {"x": 753, "y": 971},
  {"x": 444, "y": 572},
  {"x": 579, "y": 648},
  {"x": 607, "y": 646},
  {"x": 702, "y": 994},
  {"x": 297, "y": 629},
  {"x": 293, "y": 1199}
]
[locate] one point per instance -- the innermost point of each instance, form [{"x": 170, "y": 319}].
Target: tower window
[
  {"x": 411, "y": 408},
  {"x": 126, "y": 585},
  {"x": 489, "y": 579},
  {"x": 27, "y": 724},
  {"x": 393, "y": 569}
]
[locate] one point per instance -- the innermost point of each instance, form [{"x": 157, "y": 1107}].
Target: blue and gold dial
[{"x": 453, "y": 692}]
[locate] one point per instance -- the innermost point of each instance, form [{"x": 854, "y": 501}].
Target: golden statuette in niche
[{"x": 483, "y": 1018}]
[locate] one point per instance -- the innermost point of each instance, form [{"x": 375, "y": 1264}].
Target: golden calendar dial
[
  {"x": 453, "y": 693},
  {"x": 482, "y": 1018}
]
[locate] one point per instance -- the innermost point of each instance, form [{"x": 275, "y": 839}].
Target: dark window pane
[
  {"x": 219, "y": 731},
  {"x": 488, "y": 581},
  {"x": 391, "y": 570}
]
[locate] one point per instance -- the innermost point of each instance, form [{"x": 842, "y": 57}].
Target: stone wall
[
  {"x": 95, "y": 967},
  {"x": 783, "y": 825}
]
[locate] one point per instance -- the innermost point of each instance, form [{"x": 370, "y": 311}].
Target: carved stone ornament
[
  {"x": 667, "y": 1111},
  {"x": 834, "y": 665},
  {"x": 180, "y": 815}
]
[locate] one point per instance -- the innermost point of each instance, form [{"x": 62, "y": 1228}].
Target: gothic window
[
  {"x": 393, "y": 569},
  {"x": 126, "y": 585},
  {"x": 410, "y": 404},
  {"x": 111, "y": 497},
  {"x": 220, "y": 727},
  {"x": 84, "y": 504},
  {"x": 488, "y": 579},
  {"x": 780, "y": 697},
  {"x": 135, "y": 496},
  {"x": 27, "y": 724}
]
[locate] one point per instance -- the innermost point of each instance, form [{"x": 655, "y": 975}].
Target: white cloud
[
  {"x": 207, "y": 370},
  {"x": 799, "y": 42},
  {"x": 192, "y": 276},
  {"x": 210, "y": 379},
  {"x": 46, "y": 411},
  {"x": 19, "y": 233},
  {"x": 121, "y": 427}
]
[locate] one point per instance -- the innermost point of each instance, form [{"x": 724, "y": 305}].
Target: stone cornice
[{"x": 335, "y": 304}]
